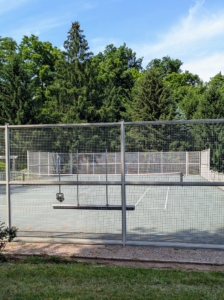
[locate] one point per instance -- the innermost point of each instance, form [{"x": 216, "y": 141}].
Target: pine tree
[
  {"x": 151, "y": 99},
  {"x": 69, "y": 95}
]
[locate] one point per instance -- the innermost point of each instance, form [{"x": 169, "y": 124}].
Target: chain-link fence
[{"x": 128, "y": 183}]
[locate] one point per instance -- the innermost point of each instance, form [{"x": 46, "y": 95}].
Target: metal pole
[
  {"x": 138, "y": 162},
  {"x": 77, "y": 172},
  {"x": 28, "y": 164},
  {"x": 123, "y": 194},
  {"x": 48, "y": 163},
  {"x": 7, "y": 165},
  {"x": 161, "y": 154},
  {"x": 59, "y": 171},
  {"x": 70, "y": 156},
  {"x": 106, "y": 181},
  {"x": 187, "y": 164},
  {"x": 39, "y": 163},
  {"x": 115, "y": 159}
]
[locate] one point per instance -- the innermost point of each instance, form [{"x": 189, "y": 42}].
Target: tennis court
[
  {"x": 162, "y": 213},
  {"x": 152, "y": 182}
]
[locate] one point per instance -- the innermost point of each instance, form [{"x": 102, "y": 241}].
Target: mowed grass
[{"x": 40, "y": 278}]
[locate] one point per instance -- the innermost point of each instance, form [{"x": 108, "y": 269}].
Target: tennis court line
[
  {"x": 166, "y": 201},
  {"x": 167, "y": 195},
  {"x": 93, "y": 188},
  {"x": 142, "y": 196}
]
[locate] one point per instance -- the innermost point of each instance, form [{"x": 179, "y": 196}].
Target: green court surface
[{"x": 190, "y": 214}]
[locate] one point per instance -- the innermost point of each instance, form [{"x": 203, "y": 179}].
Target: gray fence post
[
  {"x": 123, "y": 193},
  {"x": 7, "y": 165}
]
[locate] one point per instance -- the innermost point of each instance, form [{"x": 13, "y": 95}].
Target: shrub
[
  {"x": 6, "y": 235},
  {"x": 2, "y": 166}
]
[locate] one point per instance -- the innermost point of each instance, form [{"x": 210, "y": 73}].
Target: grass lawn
[{"x": 42, "y": 278}]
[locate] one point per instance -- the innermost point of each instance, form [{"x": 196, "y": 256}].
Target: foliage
[
  {"x": 151, "y": 98},
  {"x": 6, "y": 235},
  {"x": 2, "y": 166},
  {"x": 40, "y": 83},
  {"x": 165, "y": 66}
]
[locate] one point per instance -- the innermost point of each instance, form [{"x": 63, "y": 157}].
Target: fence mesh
[
  {"x": 65, "y": 154},
  {"x": 154, "y": 152},
  {"x": 191, "y": 214}
]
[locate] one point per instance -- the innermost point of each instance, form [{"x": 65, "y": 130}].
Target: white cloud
[
  {"x": 36, "y": 26},
  {"x": 195, "y": 38},
  {"x": 206, "y": 67},
  {"x": 99, "y": 44},
  {"x": 8, "y": 5}
]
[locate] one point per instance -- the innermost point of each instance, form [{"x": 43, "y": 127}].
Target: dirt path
[{"x": 142, "y": 257}]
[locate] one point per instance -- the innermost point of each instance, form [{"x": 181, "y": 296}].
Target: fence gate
[{"x": 143, "y": 183}]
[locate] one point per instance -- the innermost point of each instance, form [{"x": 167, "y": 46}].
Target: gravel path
[{"x": 119, "y": 253}]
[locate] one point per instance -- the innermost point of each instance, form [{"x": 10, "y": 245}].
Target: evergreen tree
[
  {"x": 17, "y": 105},
  {"x": 151, "y": 99},
  {"x": 68, "y": 95}
]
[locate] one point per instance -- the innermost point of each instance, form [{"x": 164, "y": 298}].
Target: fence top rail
[
  {"x": 201, "y": 121},
  {"x": 66, "y": 125}
]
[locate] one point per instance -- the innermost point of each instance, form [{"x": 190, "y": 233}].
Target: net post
[
  {"x": 123, "y": 194},
  {"x": 7, "y": 165},
  {"x": 77, "y": 175},
  {"x": 115, "y": 159},
  {"x": 161, "y": 161},
  {"x": 138, "y": 162},
  {"x": 48, "y": 164},
  {"x": 70, "y": 158},
  {"x": 28, "y": 164},
  {"x": 106, "y": 180},
  {"x": 59, "y": 170},
  {"x": 39, "y": 163},
  {"x": 187, "y": 163}
]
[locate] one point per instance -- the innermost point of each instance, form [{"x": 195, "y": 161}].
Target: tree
[
  {"x": 69, "y": 92},
  {"x": 118, "y": 69},
  {"x": 151, "y": 101},
  {"x": 165, "y": 66},
  {"x": 211, "y": 106},
  {"x": 151, "y": 98},
  {"x": 39, "y": 62},
  {"x": 180, "y": 84},
  {"x": 16, "y": 92}
]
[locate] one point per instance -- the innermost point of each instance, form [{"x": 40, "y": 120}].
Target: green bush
[
  {"x": 6, "y": 235},
  {"x": 2, "y": 166}
]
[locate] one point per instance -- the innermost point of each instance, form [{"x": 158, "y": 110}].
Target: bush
[
  {"x": 2, "y": 166},
  {"x": 6, "y": 235}
]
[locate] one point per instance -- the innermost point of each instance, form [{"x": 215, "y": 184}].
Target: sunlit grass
[{"x": 40, "y": 278}]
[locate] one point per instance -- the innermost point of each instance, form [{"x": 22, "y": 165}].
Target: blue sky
[{"x": 190, "y": 30}]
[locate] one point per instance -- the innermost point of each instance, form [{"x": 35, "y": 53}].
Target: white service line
[
  {"x": 167, "y": 194},
  {"x": 142, "y": 196},
  {"x": 93, "y": 188}
]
